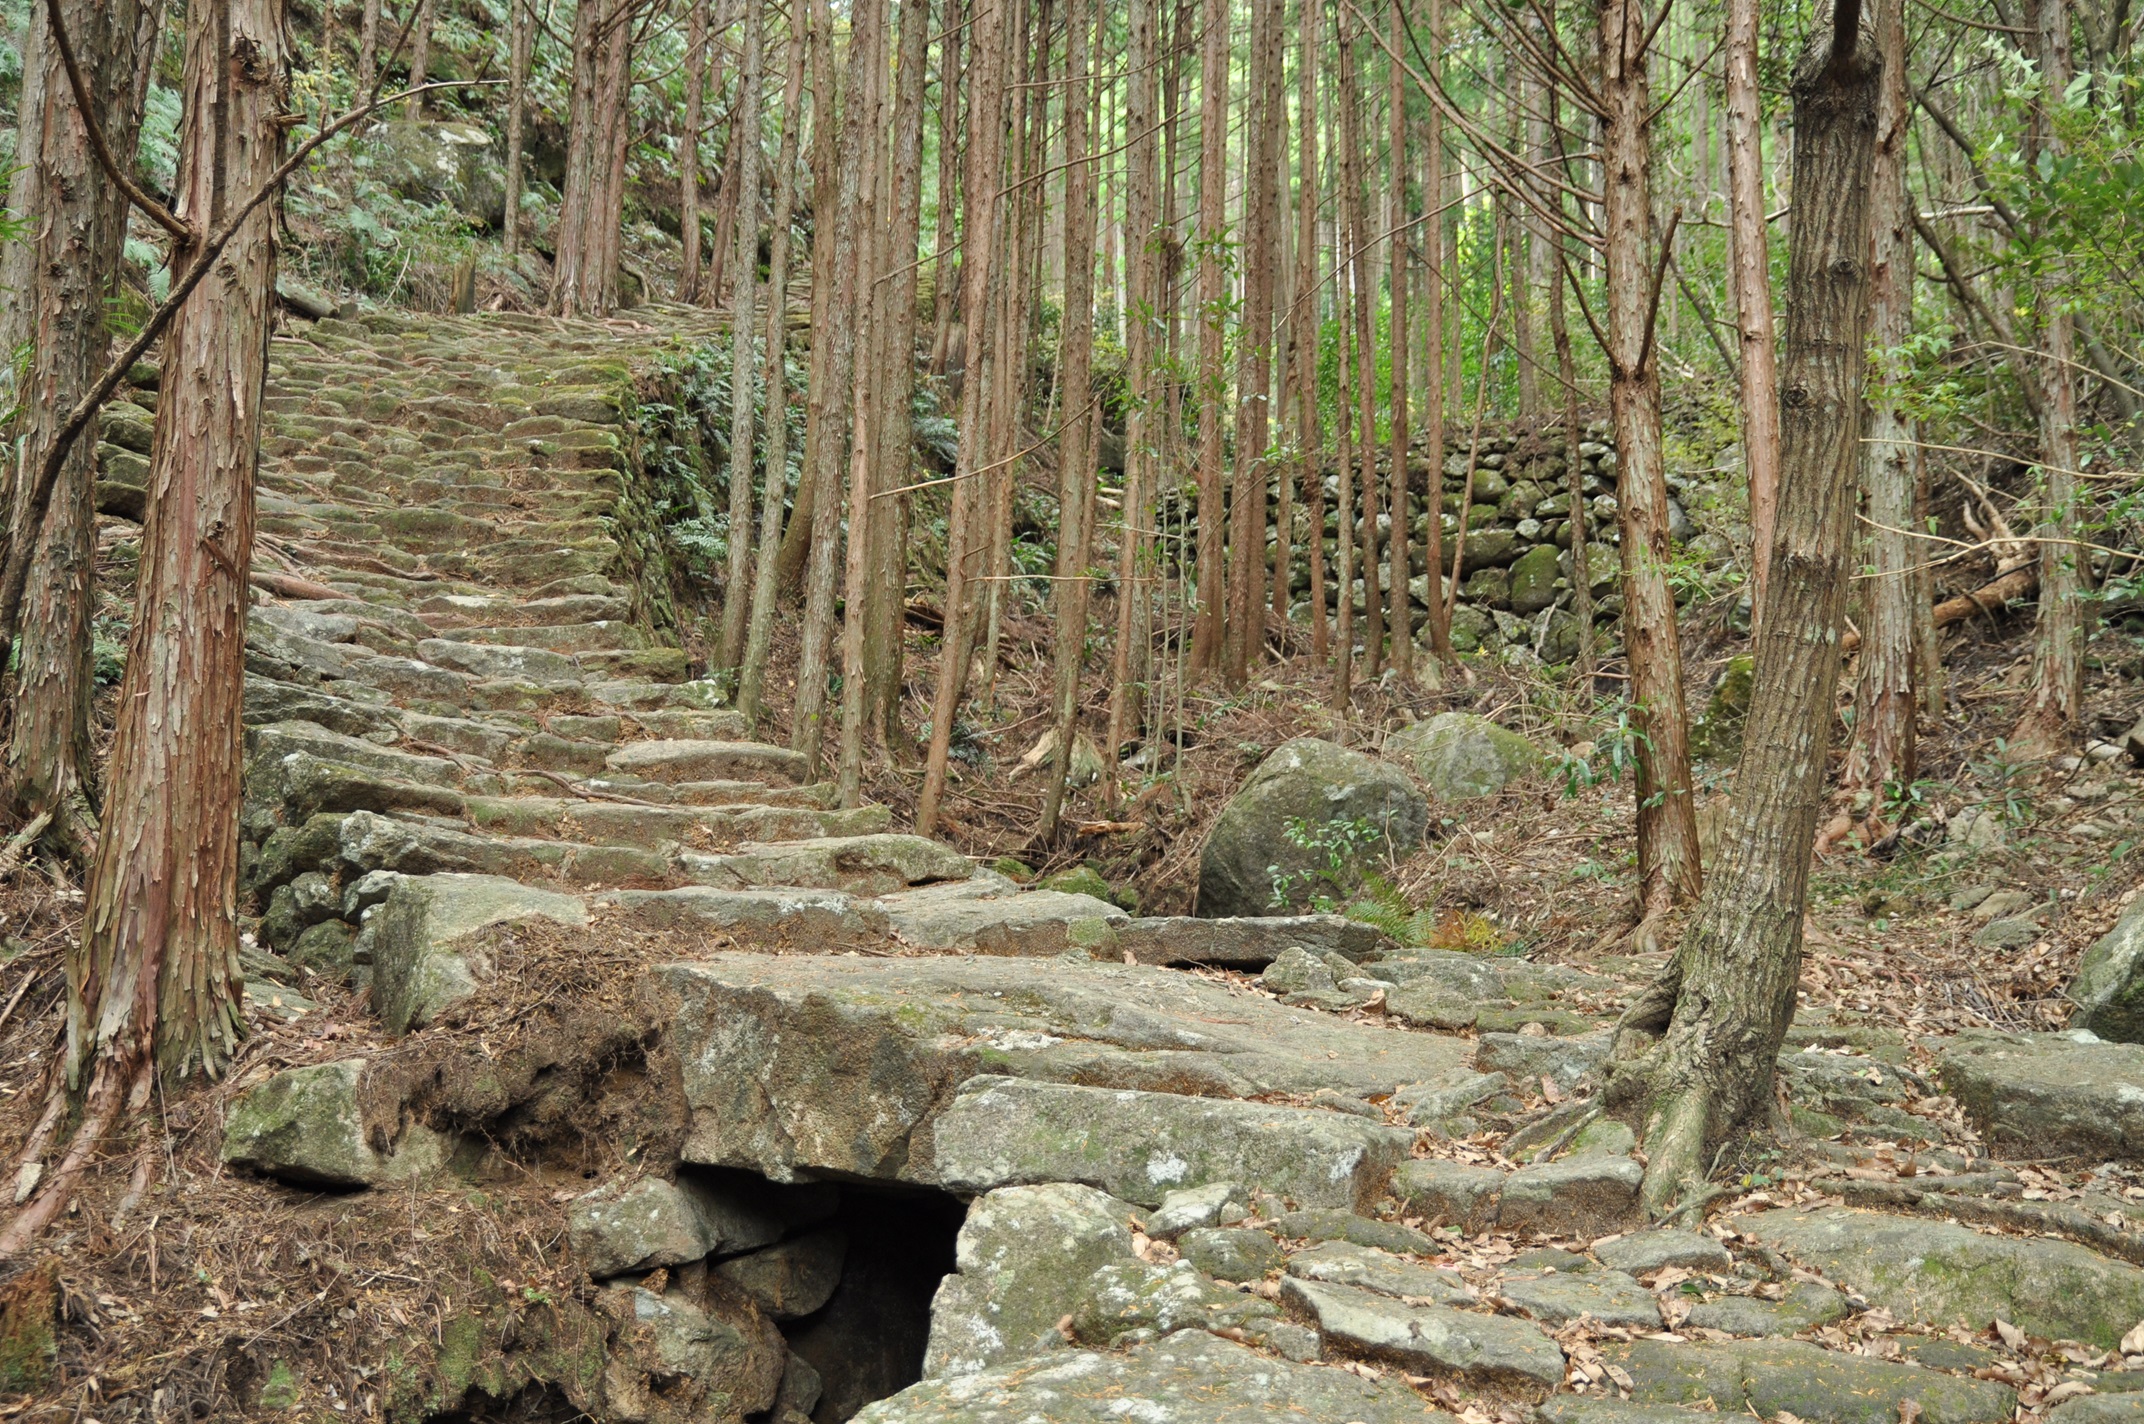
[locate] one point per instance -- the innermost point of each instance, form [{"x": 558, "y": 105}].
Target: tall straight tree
[
  {"x": 1076, "y": 439},
  {"x": 1433, "y": 374},
  {"x": 2052, "y": 720},
  {"x": 829, "y": 458},
  {"x": 1885, "y": 708},
  {"x": 1305, "y": 327},
  {"x": 584, "y": 274},
  {"x": 1727, "y": 997},
  {"x": 1752, "y": 282},
  {"x": 1245, "y": 625},
  {"x": 521, "y": 48},
  {"x": 1398, "y": 276},
  {"x": 759, "y": 635},
  {"x": 943, "y": 288},
  {"x": 735, "y": 603},
  {"x": 1362, "y": 292},
  {"x": 688, "y": 146},
  {"x": 1142, "y": 324},
  {"x": 1669, "y": 870},
  {"x": 155, "y": 976},
  {"x": 56, "y": 281},
  {"x": 979, "y": 224},
  {"x": 1212, "y": 245}
]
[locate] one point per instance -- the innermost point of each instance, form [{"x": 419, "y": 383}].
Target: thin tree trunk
[
  {"x": 1213, "y": 298},
  {"x": 1668, "y": 865},
  {"x": 1574, "y": 470},
  {"x": 896, "y": 440},
  {"x": 1433, "y": 377},
  {"x": 825, "y": 173},
  {"x": 577, "y": 281},
  {"x": 368, "y": 48},
  {"x": 1752, "y": 280},
  {"x": 734, "y": 601},
  {"x": 2053, "y": 720},
  {"x": 831, "y": 456},
  {"x": 420, "y": 56},
  {"x": 60, "y": 274},
  {"x": 1309, "y": 330},
  {"x": 688, "y": 149},
  {"x": 1076, "y": 442},
  {"x": 1244, "y": 625},
  {"x": 765, "y": 589},
  {"x": 1143, "y": 263},
  {"x": 156, "y": 971},
  {"x": 1288, "y": 350},
  {"x": 1885, "y": 707},
  {"x": 522, "y": 50},
  {"x": 1362, "y": 283},
  {"x": 943, "y": 292},
  {"x": 1343, "y": 501},
  {"x": 985, "y": 156},
  {"x": 1730, "y": 988},
  {"x": 1398, "y": 504}
]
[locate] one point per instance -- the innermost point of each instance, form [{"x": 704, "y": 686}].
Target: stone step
[
  {"x": 693, "y": 759},
  {"x": 862, "y": 864},
  {"x": 458, "y": 610},
  {"x": 597, "y": 636}
]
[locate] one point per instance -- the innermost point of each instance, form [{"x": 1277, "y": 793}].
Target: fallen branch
[{"x": 1988, "y": 599}]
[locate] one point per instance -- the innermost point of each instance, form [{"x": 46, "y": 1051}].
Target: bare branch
[{"x": 1660, "y": 281}]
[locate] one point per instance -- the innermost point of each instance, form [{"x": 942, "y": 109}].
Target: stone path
[{"x": 1191, "y": 1197}]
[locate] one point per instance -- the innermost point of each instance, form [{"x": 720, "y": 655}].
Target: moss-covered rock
[
  {"x": 1311, "y": 809},
  {"x": 1461, "y": 756}
]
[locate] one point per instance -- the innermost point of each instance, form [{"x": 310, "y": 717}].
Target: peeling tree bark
[
  {"x": 1752, "y": 280},
  {"x": 57, "y": 279},
  {"x": 1668, "y": 866},
  {"x": 1727, "y": 997}
]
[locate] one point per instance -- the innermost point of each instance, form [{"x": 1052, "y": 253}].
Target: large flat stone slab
[
  {"x": 1032, "y": 922},
  {"x": 2049, "y": 1094},
  {"x": 695, "y": 759},
  {"x": 1939, "y": 1273},
  {"x": 1189, "y": 1377},
  {"x": 1142, "y": 1146},
  {"x": 1247, "y": 942},
  {"x": 840, "y": 1064},
  {"x": 1768, "y": 1377},
  {"x": 1431, "y": 1339},
  {"x": 862, "y": 865},
  {"x": 428, "y": 948}
]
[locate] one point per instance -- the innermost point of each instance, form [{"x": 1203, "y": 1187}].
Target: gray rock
[
  {"x": 2049, "y": 1095},
  {"x": 1450, "y": 1192},
  {"x": 539, "y": 667},
  {"x": 1023, "y": 1258},
  {"x": 654, "y": 1221},
  {"x": 1526, "y": 1057},
  {"x": 1609, "y": 1297},
  {"x": 793, "y": 1278},
  {"x": 2109, "y": 988},
  {"x": 1297, "y": 971},
  {"x": 1190, "y": 1209},
  {"x": 1344, "y": 1263},
  {"x": 861, "y": 865},
  {"x": 1037, "y": 922},
  {"x": 1429, "y": 1004},
  {"x": 1313, "y": 784},
  {"x": 1938, "y": 1273},
  {"x": 1187, "y": 1378},
  {"x": 1604, "y": 1137},
  {"x": 1135, "y": 1300},
  {"x": 1533, "y": 580},
  {"x": 1140, "y": 1146},
  {"x": 454, "y": 163},
  {"x": 1805, "y": 1306},
  {"x": 688, "y": 760},
  {"x": 430, "y": 950},
  {"x": 1435, "y": 1104},
  {"x": 305, "y": 1126},
  {"x": 1231, "y": 1253},
  {"x": 798, "y": 1394},
  {"x": 1247, "y": 942},
  {"x": 1605, "y": 1409},
  {"x": 678, "y": 1352},
  {"x": 1329, "y": 1225},
  {"x": 1579, "y": 1197},
  {"x": 818, "y": 1064},
  {"x": 1643, "y": 1252},
  {"x": 2015, "y": 933},
  {"x": 1460, "y": 756},
  {"x": 1484, "y": 1349},
  {"x": 1766, "y": 1377},
  {"x": 805, "y": 916}
]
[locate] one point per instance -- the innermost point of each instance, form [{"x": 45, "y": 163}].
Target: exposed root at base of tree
[{"x": 116, "y": 1086}]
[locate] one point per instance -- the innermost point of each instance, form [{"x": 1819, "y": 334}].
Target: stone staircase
[{"x": 1186, "y": 1196}]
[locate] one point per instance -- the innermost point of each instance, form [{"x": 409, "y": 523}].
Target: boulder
[
  {"x": 1941, "y": 1274},
  {"x": 429, "y": 946},
  {"x": 1190, "y": 1377},
  {"x": 2049, "y": 1095},
  {"x": 1309, "y": 805},
  {"x": 793, "y": 1278},
  {"x": 2109, "y": 988},
  {"x": 305, "y": 1126},
  {"x": 1460, "y": 756},
  {"x": 451, "y": 163},
  {"x": 654, "y": 1221},
  {"x": 1533, "y": 580},
  {"x": 1023, "y": 1258}
]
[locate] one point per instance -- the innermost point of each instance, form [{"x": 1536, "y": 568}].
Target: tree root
[
  {"x": 1675, "y": 1134},
  {"x": 114, "y": 1088}
]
